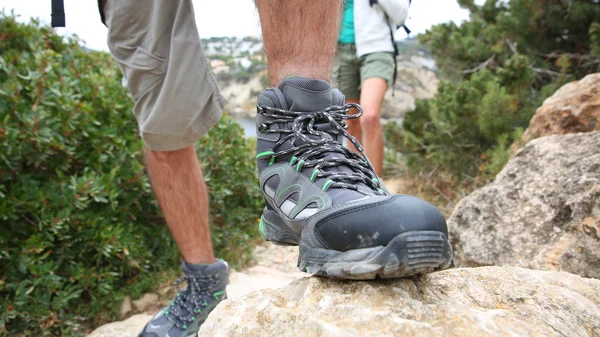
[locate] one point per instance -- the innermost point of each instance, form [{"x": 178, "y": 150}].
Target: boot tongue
[{"x": 306, "y": 94}]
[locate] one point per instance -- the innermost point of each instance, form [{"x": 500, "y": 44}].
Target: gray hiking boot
[
  {"x": 328, "y": 200},
  {"x": 182, "y": 318}
]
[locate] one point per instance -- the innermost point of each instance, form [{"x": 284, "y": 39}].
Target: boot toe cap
[{"x": 377, "y": 223}]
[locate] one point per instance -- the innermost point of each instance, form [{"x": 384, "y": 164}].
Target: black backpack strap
[
  {"x": 58, "y": 13},
  {"x": 404, "y": 26},
  {"x": 101, "y": 10}
]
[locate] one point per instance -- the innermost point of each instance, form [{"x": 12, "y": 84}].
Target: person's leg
[
  {"x": 376, "y": 73},
  {"x": 181, "y": 193},
  {"x": 319, "y": 194},
  {"x": 371, "y": 100},
  {"x": 157, "y": 46},
  {"x": 347, "y": 78},
  {"x": 174, "y": 107},
  {"x": 300, "y": 37},
  {"x": 354, "y": 127}
]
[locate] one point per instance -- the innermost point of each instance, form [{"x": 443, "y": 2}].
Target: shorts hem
[
  {"x": 387, "y": 80},
  {"x": 157, "y": 142}
]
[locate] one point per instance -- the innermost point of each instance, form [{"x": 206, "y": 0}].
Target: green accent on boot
[
  {"x": 314, "y": 174},
  {"x": 264, "y": 154},
  {"x": 218, "y": 293},
  {"x": 272, "y": 161},
  {"x": 326, "y": 185},
  {"x": 299, "y": 166},
  {"x": 293, "y": 160},
  {"x": 261, "y": 227}
]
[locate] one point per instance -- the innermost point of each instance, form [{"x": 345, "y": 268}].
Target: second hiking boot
[{"x": 327, "y": 199}]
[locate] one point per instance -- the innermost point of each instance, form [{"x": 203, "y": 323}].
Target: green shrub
[
  {"x": 79, "y": 227},
  {"x": 235, "y": 199},
  {"x": 497, "y": 69}
]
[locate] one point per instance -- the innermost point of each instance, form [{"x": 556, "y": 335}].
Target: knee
[{"x": 370, "y": 121}]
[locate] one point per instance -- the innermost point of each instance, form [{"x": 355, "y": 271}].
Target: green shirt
[{"x": 347, "y": 31}]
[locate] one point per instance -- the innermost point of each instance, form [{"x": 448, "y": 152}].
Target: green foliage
[
  {"x": 498, "y": 67},
  {"x": 79, "y": 227},
  {"x": 235, "y": 199},
  {"x": 595, "y": 39}
]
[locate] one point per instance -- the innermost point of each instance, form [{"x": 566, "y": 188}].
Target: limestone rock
[
  {"x": 126, "y": 306},
  {"x": 415, "y": 81},
  {"x": 241, "y": 97},
  {"x": 275, "y": 268},
  {"x": 542, "y": 211},
  {"x": 146, "y": 301},
  {"x": 130, "y": 327},
  {"x": 575, "y": 107},
  {"x": 485, "y": 301}
]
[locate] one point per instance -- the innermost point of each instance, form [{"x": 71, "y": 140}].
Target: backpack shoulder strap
[{"x": 58, "y": 13}]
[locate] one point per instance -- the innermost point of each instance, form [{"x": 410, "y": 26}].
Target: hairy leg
[
  {"x": 180, "y": 190},
  {"x": 354, "y": 127},
  {"x": 371, "y": 98},
  {"x": 300, "y": 37}
]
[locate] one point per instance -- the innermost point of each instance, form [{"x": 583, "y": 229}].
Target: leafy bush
[
  {"x": 79, "y": 227},
  {"x": 235, "y": 199},
  {"x": 498, "y": 67}
]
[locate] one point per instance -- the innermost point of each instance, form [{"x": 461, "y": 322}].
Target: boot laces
[
  {"x": 314, "y": 148},
  {"x": 191, "y": 300}
]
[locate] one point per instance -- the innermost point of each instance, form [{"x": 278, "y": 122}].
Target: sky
[{"x": 213, "y": 18}]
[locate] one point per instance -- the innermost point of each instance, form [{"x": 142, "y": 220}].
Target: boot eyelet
[{"x": 262, "y": 127}]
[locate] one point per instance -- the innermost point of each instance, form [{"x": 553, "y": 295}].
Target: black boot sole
[{"x": 405, "y": 255}]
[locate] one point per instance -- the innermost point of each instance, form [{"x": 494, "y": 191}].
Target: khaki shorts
[
  {"x": 350, "y": 71},
  {"x": 157, "y": 46}
]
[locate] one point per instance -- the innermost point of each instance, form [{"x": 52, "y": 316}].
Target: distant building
[
  {"x": 244, "y": 62},
  {"x": 219, "y": 66}
]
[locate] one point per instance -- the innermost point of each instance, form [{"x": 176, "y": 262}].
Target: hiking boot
[
  {"x": 182, "y": 318},
  {"x": 328, "y": 200}
]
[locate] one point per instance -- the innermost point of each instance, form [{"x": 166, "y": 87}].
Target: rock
[
  {"x": 257, "y": 278},
  {"x": 414, "y": 82},
  {"x": 485, "y": 301},
  {"x": 575, "y": 107},
  {"x": 130, "y": 327},
  {"x": 241, "y": 97},
  {"x": 542, "y": 211},
  {"x": 275, "y": 268},
  {"x": 281, "y": 258},
  {"x": 146, "y": 301},
  {"x": 126, "y": 306}
]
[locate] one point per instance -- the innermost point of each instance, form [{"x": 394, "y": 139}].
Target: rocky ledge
[
  {"x": 542, "y": 211},
  {"x": 484, "y": 301}
]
